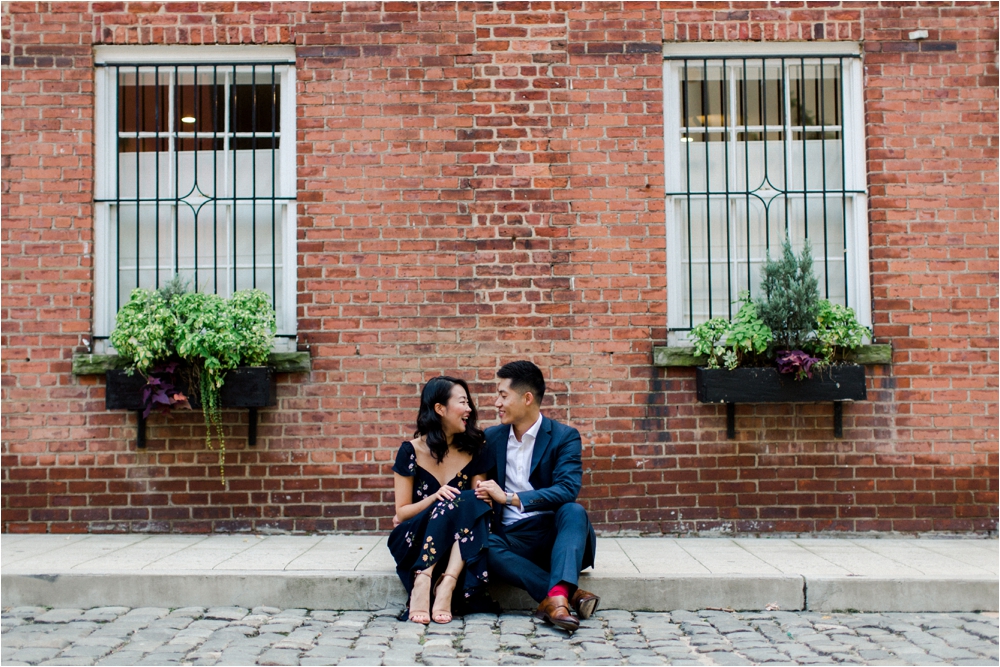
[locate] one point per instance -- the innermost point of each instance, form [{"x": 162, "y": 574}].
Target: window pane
[
  {"x": 745, "y": 124},
  {"x": 255, "y": 107},
  {"x": 201, "y": 112},
  {"x": 143, "y": 100},
  {"x": 705, "y": 103},
  {"x": 760, "y": 95},
  {"x": 213, "y": 256}
]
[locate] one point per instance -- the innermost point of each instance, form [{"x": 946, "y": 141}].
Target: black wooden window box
[
  {"x": 836, "y": 383},
  {"x": 249, "y": 387}
]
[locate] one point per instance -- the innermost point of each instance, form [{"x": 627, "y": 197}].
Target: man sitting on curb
[{"x": 542, "y": 537}]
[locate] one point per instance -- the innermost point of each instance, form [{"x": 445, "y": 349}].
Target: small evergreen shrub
[{"x": 790, "y": 303}]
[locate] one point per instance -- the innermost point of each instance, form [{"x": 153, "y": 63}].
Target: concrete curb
[
  {"x": 357, "y": 572},
  {"x": 902, "y": 594},
  {"x": 311, "y": 590},
  {"x": 373, "y": 591},
  {"x": 378, "y": 590},
  {"x": 698, "y": 591}
]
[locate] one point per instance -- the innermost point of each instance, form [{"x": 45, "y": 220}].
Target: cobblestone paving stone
[{"x": 269, "y": 636}]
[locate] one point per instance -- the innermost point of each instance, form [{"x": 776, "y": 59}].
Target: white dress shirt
[{"x": 519, "y": 469}]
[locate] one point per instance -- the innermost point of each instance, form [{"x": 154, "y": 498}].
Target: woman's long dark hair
[{"x": 437, "y": 391}]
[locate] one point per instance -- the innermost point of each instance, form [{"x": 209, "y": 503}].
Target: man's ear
[{"x": 528, "y": 397}]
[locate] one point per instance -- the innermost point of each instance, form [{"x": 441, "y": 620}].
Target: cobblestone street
[{"x": 269, "y": 636}]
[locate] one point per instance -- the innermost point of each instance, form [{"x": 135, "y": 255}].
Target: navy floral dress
[{"x": 427, "y": 539}]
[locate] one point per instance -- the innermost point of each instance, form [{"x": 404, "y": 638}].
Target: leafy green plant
[
  {"x": 144, "y": 330},
  {"x": 709, "y": 339},
  {"x": 837, "y": 330},
  {"x": 791, "y": 297},
  {"x": 253, "y": 321},
  {"x": 209, "y": 333},
  {"x": 790, "y": 325},
  {"x": 735, "y": 341},
  {"x": 749, "y": 335}
]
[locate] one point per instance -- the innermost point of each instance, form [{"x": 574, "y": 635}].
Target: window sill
[
  {"x": 868, "y": 355},
  {"x": 99, "y": 364}
]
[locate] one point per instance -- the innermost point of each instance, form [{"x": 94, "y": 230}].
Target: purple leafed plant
[
  {"x": 161, "y": 391},
  {"x": 796, "y": 361}
]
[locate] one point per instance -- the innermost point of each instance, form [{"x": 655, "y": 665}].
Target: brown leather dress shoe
[
  {"x": 555, "y": 610},
  {"x": 584, "y": 603}
]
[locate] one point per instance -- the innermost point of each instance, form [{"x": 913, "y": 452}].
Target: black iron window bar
[
  {"x": 196, "y": 179},
  {"x": 735, "y": 110}
]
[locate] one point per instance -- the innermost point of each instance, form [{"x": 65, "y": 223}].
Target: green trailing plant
[
  {"x": 790, "y": 303},
  {"x": 209, "y": 333},
  {"x": 733, "y": 342},
  {"x": 207, "y": 342}
]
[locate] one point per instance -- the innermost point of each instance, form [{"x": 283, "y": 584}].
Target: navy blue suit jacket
[{"x": 556, "y": 472}]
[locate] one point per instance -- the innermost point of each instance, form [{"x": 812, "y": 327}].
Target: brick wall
[{"x": 484, "y": 181}]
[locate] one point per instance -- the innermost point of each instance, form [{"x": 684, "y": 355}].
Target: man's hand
[{"x": 490, "y": 490}]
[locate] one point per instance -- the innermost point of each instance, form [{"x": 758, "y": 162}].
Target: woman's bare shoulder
[{"x": 422, "y": 451}]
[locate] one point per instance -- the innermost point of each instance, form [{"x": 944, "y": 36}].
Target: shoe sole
[
  {"x": 571, "y": 627},
  {"x": 588, "y": 607}
]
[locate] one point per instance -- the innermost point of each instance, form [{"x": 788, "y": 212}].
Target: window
[
  {"x": 195, "y": 174},
  {"x": 760, "y": 146}
]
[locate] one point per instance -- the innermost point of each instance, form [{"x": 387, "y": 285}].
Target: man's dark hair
[{"x": 524, "y": 376}]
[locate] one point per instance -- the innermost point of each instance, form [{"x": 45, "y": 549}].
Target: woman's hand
[
  {"x": 446, "y": 493},
  {"x": 476, "y": 484},
  {"x": 395, "y": 520}
]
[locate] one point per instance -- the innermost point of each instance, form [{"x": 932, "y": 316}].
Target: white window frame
[
  {"x": 106, "y": 155},
  {"x": 856, "y": 222}
]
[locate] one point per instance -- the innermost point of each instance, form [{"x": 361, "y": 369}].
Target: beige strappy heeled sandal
[
  {"x": 439, "y": 615},
  {"x": 421, "y": 616}
]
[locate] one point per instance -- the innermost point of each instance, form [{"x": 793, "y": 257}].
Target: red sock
[{"x": 559, "y": 590}]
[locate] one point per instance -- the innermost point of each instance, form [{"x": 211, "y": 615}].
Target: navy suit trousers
[{"x": 540, "y": 551}]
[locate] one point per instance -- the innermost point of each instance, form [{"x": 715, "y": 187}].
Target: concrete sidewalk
[{"x": 632, "y": 573}]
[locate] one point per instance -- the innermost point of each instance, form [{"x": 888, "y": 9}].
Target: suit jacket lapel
[
  {"x": 500, "y": 451},
  {"x": 541, "y": 442}
]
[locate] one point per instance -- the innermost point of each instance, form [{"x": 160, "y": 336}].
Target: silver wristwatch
[{"x": 510, "y": 498}]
